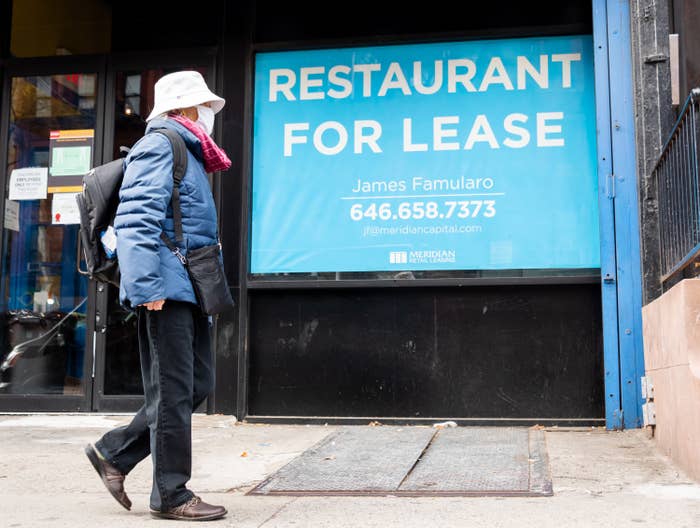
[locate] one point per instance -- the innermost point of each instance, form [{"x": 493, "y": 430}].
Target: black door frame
[
  {"x": 105, "y": 67},
  {"x": 202, "y": 57},
  {"x": 41, "y": 67}
]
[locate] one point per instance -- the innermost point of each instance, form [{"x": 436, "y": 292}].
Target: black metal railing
[{"x": 678, "y": 188}]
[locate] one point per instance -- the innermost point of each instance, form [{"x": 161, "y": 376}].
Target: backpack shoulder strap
[
  {"x": 179, "y": 168},
  {"x": 179, "y": 153}
]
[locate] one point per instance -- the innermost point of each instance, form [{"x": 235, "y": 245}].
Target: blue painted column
[
  {"x": 621, "y": 281},
  {"x": 608, "y": 266}
]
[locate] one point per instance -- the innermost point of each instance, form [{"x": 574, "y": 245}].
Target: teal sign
[{"x": 472, "y": 155}]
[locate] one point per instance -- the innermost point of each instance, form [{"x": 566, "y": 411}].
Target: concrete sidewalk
[{"x": 600, "y": 479}]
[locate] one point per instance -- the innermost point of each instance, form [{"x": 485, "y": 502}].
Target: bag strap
[{"x": 179, "y": 168}]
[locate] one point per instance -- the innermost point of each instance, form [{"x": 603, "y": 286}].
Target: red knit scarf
[{"x": 215, "y": 159}]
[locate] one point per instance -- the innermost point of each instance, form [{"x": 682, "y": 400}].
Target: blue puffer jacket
[{"x": 149, "y": 270}]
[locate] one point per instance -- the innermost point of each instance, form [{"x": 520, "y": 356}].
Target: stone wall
[{"x": 671, "y": 326}]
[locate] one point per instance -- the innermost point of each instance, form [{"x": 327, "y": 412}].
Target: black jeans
[{"x": 176, "y": 365}]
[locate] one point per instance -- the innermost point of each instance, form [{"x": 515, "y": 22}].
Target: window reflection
[
  {"x": 43, "y": 296},
  {"x": 67, "y": 27}
]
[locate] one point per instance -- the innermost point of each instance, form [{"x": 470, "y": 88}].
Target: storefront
[{"x": 420, "y": 222}]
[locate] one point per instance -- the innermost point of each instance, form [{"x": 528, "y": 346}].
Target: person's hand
[{"x": 155, "y": 305}]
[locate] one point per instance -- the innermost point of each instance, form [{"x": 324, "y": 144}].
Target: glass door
[
  {"x": 50, "y": 138},
  {"x": 65, "y": 342},
  {"x": 118, "y": 384}
]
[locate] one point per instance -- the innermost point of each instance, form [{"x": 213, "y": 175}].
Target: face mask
[{"x": 205, "y": 119}]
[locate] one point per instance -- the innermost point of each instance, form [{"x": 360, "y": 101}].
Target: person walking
[{"x": 173, "y": 332}]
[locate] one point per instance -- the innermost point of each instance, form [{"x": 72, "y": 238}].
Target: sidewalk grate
[{"x": 417, "y": 461}]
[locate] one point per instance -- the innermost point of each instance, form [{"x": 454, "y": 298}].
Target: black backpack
[{"x": 98, "y": 203}]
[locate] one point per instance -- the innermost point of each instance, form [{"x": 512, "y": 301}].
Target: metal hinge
[
  {"x": 610, "y": 186},
  {"x": 647, "y": 388},
  {"x": 655, "y": 58},
  {"x": 649, "y": 413}
]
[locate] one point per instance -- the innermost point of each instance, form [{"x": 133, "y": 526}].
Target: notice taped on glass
[{"x": 70, "y": 157}]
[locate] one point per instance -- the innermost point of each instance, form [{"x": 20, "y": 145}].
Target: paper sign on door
[
  {"x": 29, "y": 183},
  {"x": 64, "y": 209}
]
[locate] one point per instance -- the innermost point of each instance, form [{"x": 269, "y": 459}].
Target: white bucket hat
[{"x": 183, "y": 89}]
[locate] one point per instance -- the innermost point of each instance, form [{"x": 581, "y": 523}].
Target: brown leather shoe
[
  {"x": 112, "y": 478},
  {"x": 192, "y": 510}
]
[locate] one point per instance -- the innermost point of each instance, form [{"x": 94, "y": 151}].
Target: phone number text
[{"x": 419, "y": 210}]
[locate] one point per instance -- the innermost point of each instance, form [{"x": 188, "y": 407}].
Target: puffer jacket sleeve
[{"x": 144, "y": 198}]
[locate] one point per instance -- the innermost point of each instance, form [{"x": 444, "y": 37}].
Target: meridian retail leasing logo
[
  {"x": 431, "y": 256},
  {"x": 398, "y": 257}
]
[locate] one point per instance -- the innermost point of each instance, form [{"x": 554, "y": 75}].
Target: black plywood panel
[{"x": 478, "y": 352}]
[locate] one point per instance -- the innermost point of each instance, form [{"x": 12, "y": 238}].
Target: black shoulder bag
[{"x": 204, "y": 265}]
